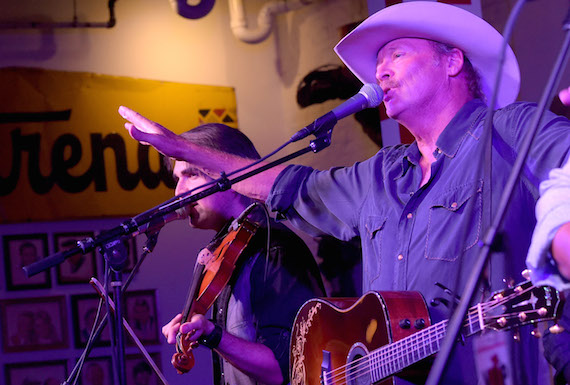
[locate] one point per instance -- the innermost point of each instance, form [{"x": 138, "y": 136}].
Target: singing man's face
[{"x": 410, "y": 73}]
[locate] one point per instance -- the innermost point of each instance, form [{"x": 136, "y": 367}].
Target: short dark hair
[
  {"x": 220, "y": 137},
  {"x": 472, "y": 77}
]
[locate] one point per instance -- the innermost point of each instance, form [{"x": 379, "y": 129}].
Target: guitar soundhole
[{"x": 358, "y": 370}]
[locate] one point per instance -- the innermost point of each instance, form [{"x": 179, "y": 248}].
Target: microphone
[
  {"x": 160, "y": 220},
  {"x": 369, "y": 96}
]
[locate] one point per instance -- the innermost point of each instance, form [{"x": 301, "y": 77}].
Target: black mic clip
[{"x": 321, "y": 126}]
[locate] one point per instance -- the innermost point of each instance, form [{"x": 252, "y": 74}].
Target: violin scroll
[{"x": 183, "y": 360}]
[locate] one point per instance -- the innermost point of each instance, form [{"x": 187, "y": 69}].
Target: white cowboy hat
[{"x": 444, "y": 23}]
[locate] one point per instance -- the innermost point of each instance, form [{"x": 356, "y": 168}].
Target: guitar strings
[{"x": 393, "y": 352}]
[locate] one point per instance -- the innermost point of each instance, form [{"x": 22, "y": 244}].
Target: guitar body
[{"x": 333, "y": 332}]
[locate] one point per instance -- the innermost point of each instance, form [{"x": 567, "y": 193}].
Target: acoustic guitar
[{"x": 371, "y": 339}]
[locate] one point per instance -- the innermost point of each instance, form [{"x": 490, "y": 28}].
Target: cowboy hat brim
[{"x": 444, "y": 23}]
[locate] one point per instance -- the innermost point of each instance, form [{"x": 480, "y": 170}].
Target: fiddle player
[
  {"x": 254, "y": 313},
  {"x": 421, "y": 209}
]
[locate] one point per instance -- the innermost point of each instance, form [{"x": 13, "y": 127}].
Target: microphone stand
[
  {"x": 489, "y": 238},
  {"x": 112, "y": 241},
  {"x": 152, "y": 238}
]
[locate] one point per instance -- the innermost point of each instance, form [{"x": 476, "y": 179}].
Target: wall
[{"x": 151, "y": 41}]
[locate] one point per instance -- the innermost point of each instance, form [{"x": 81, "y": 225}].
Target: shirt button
[
  {"x": 454, "y": 205},
  {"x": 409, "y": 216},
  {"x": 400, "y": 257}
]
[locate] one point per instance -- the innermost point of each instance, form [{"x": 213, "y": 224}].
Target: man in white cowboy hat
[{"x": 421, "y": 209}]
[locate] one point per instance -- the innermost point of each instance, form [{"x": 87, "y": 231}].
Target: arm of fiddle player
[
  {"x": 259, "y": 362},
  {"x": 212, "y": 162}
]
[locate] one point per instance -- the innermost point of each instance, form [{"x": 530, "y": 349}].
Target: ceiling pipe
[
  {"x": 192, "y": 11},
  {"x": 264, "y": 18},
  {"x": 71, "y": 24}
]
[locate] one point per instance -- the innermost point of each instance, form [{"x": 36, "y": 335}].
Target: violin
[{"x": 212, "y": 272}]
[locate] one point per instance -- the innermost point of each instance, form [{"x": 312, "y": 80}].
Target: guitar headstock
[{"x": 522, "y": 304}]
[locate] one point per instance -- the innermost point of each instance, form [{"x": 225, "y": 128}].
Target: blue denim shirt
[{"x": 413, "y": 236}]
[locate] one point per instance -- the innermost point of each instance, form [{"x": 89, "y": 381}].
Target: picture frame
[
  {"x": 137, "y": 365},
  {"x": 31, "y": 324},
  {"x": 97, "y": 371},
  {"x": 141, "y": 314},
  {"x": 84, "y": 311},
  {"x": 78, "y": 268},
  {"x": 36, "y": 373},
  {"x": 19, "y": 251}
]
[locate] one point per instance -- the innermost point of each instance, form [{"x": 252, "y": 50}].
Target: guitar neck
[{"x": 393, "y": 358}]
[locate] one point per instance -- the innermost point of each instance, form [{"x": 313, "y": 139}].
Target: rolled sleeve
[
  {"x": 552, "y": 211},
  {"x": 284, "y": 190}
]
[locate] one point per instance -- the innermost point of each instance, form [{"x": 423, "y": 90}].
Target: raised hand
[{"x": 151, "y": 133}]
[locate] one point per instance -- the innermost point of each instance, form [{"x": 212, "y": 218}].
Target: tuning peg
[
  {"x": 556, "y": 329},
  {"x": 522, "y": 316},
  {"x": 517, "y": 335},
  {"x": 526, "y": 274},
  {"x": 536, "y": 333}
]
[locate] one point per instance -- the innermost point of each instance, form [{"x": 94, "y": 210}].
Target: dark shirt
[
  {"x": 413, "y": 236},
  {"x": 261, "y": 300}
]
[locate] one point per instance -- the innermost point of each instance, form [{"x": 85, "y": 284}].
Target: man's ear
[{"x": 455, "y": 62}]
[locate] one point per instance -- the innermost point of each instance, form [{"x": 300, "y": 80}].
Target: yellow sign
[{"x": 65, "y": 153}]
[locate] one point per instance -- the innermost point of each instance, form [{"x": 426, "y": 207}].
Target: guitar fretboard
[{"x": 392, "y": 358}]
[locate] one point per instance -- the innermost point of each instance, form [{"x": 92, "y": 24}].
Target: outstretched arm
[{"x": 211, "y": 162}]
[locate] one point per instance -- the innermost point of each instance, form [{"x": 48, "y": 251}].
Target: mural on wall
[{"x": 67, "y": 154}]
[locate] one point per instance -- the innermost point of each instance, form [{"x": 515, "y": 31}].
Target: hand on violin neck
[
  {"x": 198, "y": 326},
  {"x": 170, "y": 330}
]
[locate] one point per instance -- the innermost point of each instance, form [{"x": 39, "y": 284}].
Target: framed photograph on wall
[
  {"x": 32, "y": 373},
  {"x": 34, "y": 324},
  {"x": 97, "y": 371},
  {"x": 84, "y": 311},
  {"x": 78, "y": 268},
  {"x": 139, "y": 371},
  {"x": 22, "y": 250},
  {"x": 141, "y": 314}
]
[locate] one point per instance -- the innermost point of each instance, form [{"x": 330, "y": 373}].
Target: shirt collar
[{"x": 463, "y": 124}]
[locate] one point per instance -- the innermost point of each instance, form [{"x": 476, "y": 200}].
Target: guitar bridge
[{"x": 326, "y": 368}]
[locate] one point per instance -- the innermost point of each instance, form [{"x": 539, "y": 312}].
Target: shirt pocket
[
  {"x": 375, "y": 226},
  {"x": 453, "y": 216}
]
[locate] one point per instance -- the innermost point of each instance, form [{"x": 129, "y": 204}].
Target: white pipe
[{"x": 239, "y": 25}]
